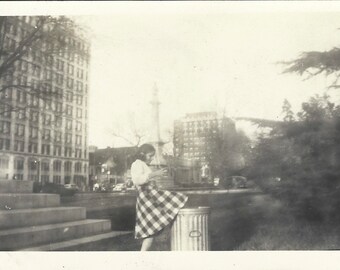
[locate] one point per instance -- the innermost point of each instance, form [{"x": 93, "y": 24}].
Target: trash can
[{"x": 190, "y": 230}]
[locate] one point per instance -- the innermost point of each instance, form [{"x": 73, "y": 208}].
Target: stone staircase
[{"x": 30, "y": 221}]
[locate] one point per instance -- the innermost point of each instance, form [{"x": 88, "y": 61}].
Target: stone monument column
[{"x": 156, "y": 141}]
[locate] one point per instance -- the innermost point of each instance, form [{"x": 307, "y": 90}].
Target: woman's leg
[{"x": 146, "y": 245}]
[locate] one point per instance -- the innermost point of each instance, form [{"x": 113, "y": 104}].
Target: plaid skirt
[{"x": 155, "y": 209}]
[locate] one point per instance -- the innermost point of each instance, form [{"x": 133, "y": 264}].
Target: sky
[
  {"x": 200, "y": 62},
  {"x": 202, "y": 56}
]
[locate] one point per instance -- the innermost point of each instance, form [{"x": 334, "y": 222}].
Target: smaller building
[{"x": 110, "y": 165}]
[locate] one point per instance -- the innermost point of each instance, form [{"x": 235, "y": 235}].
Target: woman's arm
[
  {"x": 138, "y": 174},
  {"x": 156, "y": 174}
]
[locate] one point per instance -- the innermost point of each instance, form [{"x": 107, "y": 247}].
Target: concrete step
[
  {"x": 97, "y": 242},
  {"x": 13, "y": 239},
  {"x": 33, "y": 200},
  {"x": 16, "y": 186},
  {"x": 10, "y": 219}
]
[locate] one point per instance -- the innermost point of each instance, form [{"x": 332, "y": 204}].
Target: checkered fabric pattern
[{"x": 156, "y": 209}]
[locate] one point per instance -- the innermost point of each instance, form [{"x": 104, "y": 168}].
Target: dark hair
[{"x": 143, "y": 150}]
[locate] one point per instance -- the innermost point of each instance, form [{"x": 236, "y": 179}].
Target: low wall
[{"x": 120, "y": 207}]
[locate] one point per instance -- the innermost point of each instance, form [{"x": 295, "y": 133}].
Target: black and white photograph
[{"x": 169, "y": 126}]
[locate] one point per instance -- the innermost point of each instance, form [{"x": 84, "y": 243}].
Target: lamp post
[{"x": 37, "y": 162}]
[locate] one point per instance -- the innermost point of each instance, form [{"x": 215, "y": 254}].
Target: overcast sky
[
  {"x": 200, "y": 62},
  {"x": 202, "y": 56}
]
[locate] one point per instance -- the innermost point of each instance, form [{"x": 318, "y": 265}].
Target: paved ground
[{"x": 234, "y": 217}]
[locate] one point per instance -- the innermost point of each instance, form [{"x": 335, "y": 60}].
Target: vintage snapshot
[{"x": 170, "y": 127}]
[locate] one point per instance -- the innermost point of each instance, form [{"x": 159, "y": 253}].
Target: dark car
[
  {"x": 235, "y": 182},
  {"x": 57, "y": 189}
]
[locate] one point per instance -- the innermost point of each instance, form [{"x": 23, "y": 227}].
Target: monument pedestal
[{"x": 167, "y": 181}]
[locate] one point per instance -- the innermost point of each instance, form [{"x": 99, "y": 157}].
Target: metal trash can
[{"x": 190, "y": 230}]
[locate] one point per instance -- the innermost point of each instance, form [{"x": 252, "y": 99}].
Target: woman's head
[{"x": 146, "y": 152}]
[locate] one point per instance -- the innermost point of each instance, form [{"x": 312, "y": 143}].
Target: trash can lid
[{"x": 197, "y": 210}]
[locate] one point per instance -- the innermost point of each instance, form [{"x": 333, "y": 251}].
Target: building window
[
  {"x": 70, "y": 82},
  {"x": 5, "y": 111},
  {"x": 57, "y": 150},
  {"x": 67, "y": 179},
  {"x": 34, "y": 101},
  {"x": 19, "y": 146},
  {"x": 4, "y": 162},
  {"x": 68, "y": 152},
  {"x": 80, "y": 73},
  {"x": 57, "y": 136},
  {"x": 58, "y": 121},
  {"x": 78, "y": 139},
  {"x": 68, "y": 166},
  {"x": 59, "y": 92},
  {"x": 69, "y": 97},
  {"x": 46, "y": 134},
  {"x": 78, "y": 153},
  {"x": 60, "y": 65},
  {"x": 57, "y": 166},
  {"x": 33, "y": 132},
  {"x": 47, "y": 119},
  {"x": 79, "y": 113},
  {"x": 69, "y": 124},
  {"x": 68, "y": 138},
  {"x": 5, "y": 127},
  {"x": 69, "y": 110},
  {"x": 34, "y": 117},
  {"x": 78, "y": 126},
  {"x": 18, "y": 176},
  {"x": 56, "y": 179},
  {"x": 36, "y": 71},
  {"x": 47, "y": 104},
  {"x": 45, "y": 149},
  {"x": 79, "y": 86},
  {"x": 4, "y": 144},
  {"x": 21, "y": 96},
  {"x": 48, "y": 74},
  {"x": 19, "y": 130},
  {"x": 79, "y": 100},
  {"x": 59, "y": 78},
  {"x": 19, "y": 164},
  {"x": 45, "y": 178},
  {"x": 58, "y": 107},
  {"x": 33, "y": 147},
  {"x": 77, "y": 167},
  {"x": 70, "y": 69},
  {"x": 45, "y": 166}
]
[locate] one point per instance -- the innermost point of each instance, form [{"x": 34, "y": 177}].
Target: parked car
[
  {"x": 119, "y": 187},
  {"x": 71, "y": 186},
  {"x": 57, "y": 189},
  {"x": 235, "y": 182}
]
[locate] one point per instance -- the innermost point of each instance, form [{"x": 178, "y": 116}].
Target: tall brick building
[
  {"x": 194, "y": 135},
  {"x": 47, "y": 140}
]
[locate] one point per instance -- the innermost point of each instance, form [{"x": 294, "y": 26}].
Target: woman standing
[{"x": 155, "y": 209}]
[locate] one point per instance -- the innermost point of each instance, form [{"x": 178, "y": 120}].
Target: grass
[{"x": 279, "y": 229}]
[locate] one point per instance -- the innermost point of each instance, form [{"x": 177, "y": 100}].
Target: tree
[
  {"x": 288, "y": 115},
  {"x": 229, "y": 152},
  {"x": 314, "y": 63},
  {"x": 43, "y": 37}
]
